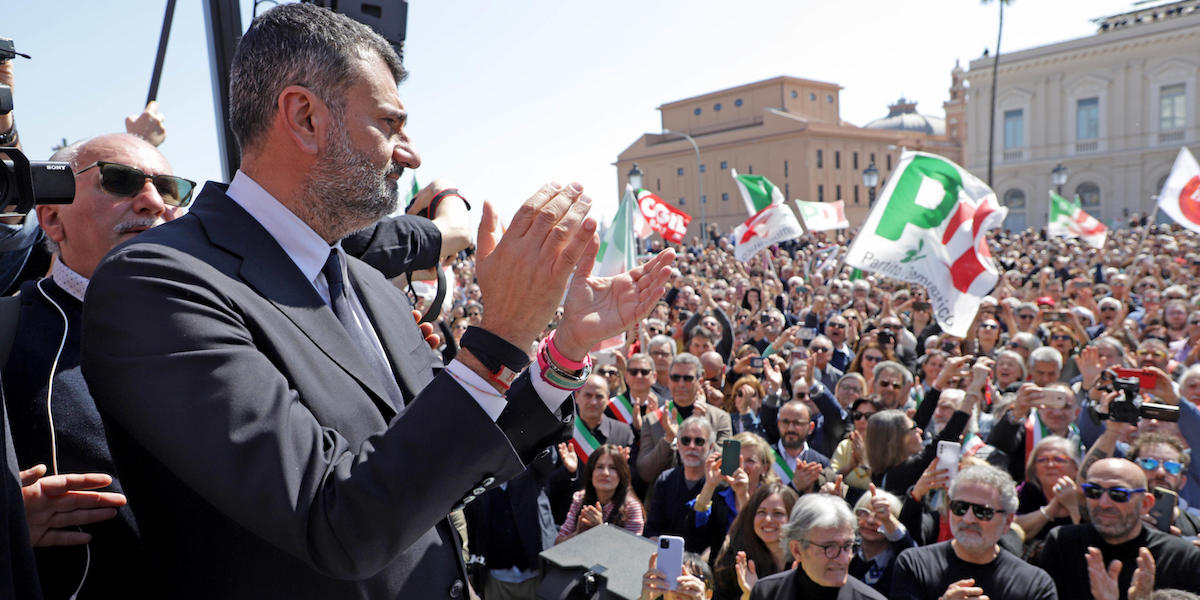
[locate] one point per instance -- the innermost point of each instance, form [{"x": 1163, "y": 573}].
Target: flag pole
[{"x": 1146, "y": 229}]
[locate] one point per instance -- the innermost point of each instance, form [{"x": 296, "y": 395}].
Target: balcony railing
[
  {"x": 1088, "y": 146},
  {"x": 1170, "y": 136},
  {"x": 1013, "y": 154}
]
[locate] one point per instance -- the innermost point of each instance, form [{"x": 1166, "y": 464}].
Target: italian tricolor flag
[
  {"x": 781, "y": 468},
  {"x": 621, "y": 408},
  {"x": 757, "y": 192},
  {"x": 584, "y": 442},
  {"x": 1068, "y": 220}
]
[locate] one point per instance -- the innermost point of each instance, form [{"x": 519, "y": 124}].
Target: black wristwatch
[{"x": 502, "y": 359}]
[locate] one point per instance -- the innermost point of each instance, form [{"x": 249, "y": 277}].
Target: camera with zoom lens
[
  {"x": 24, "y": 183},
  {"x": 1129, "y": 407}
]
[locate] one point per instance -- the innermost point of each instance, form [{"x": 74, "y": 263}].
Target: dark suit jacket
[
  {"x": 794, "y": 583},
  {"x": 259, "y": 457}
]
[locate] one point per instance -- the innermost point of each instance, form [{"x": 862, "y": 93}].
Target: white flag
[
  {"x": 930, "y": 227},
  {"x": 773, "y": 224},
  {"x": 823, "y": 216},
  {"x": 1180, "y": 195}
]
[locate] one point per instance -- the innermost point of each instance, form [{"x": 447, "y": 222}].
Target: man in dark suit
[
  {"x": 590, "y": 402},
  {"x": 270, "y": 404}
]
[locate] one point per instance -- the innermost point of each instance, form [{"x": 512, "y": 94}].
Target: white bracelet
[{"x": 1044, "y": 513}]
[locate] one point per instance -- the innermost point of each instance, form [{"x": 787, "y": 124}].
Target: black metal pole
[
  {"x": 162, "y": 52},
  {"x": 992, "y": 116},
  {"x": 223, "y": 22}
]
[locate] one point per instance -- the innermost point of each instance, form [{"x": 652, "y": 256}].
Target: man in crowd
[
  {"x": 662, "y": 349},
  {"x": 821, "y": 349},
  {"x": 1107, "y": 549},
  {"x": 675, "y": 487},
  {"x": 290, "y": 410},
  {"x": 1165, "y": 460},
  {"x": 837, "y": 330},
  {"x": 891, "y": 382},
  {"x": 590, "y": 402},
  {"x": 656, "y": 451},
  {"x": 983, "y": 503},
  {"x": 796, "y": 463}
]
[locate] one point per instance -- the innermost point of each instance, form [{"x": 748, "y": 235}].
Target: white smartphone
[
  {"x": 948, "y": 454},
  {"x": 670, "y": 558}
]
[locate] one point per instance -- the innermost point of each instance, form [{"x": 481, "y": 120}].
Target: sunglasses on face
[
  {"x": 983, "y": 513},
  {"x": 889, "y": 385},
  {"x": 1025, "y": 317},
  {"x": 639, "y": 372},
  {"x": 989, "y": 326},
  {"x": 697, "y": 442},
  {"x": 1117, "y": 494},
  {"x": 1058, "y": 337},
  {"x": 837, "y": 325},
  {"x": 607, "y": 372},
  {"x": 126, "y": 181},
  {"x": 872, "y": 358},
  {"x": 821, "y": 349},
  {"x": 678, "y": 377},
  {"x": 1172, "y": 467},
  {"x": 858, "y": 416}
]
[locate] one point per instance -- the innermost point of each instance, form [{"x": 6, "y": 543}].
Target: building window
[
  {"x": 704, "y": 199},
  {"x": 787, "y": 190},
  {"x": 724, "y": 197},
  {"x": 724, "y": 165},
  {"x": 1171, "y": 107},
  {"x": 785, "y": 168},
  {"x": 820, "y": 193},
  {"x": 697, "y": 111},
  {"x": 837, "y": 159},
  {"x": 889, "y": 164},
  {"x": 682, "y": 201},
  {"x": 839, "y": 192},
  {"x": 657, "y": 184},
  {"x": 749, "y": 169},
  {"x": 1087, "y": 119},
  {"x": 811, "y": 96},
  {"x": 679, "y": 171},
  {"x": 854, "y": 158},
  {"x": 820, "y": 159},
  {"x": 1089, "y": 195},
  {"x": 701, "y": 167},
  {"x": 1014, "y": 129},
  {"x": 829, "y": 98},
  {"x": 1014, "y": 199},
  {"x": 737, "y": 102},
  {"x": 856, "y": 193},
  {"x": 795, "y": 94},
  {"x": 717, "y": 107}
]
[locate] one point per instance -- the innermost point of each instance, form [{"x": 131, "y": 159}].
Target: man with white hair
[
  {"x": 983, "y": 504},
  {"x": 1111, "y": 313},
  {"x": 675, "y": 487}
]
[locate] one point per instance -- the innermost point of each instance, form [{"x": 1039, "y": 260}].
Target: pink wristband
[{"x": 558, "y": 358}]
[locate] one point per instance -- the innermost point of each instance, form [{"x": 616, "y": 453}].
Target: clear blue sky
[{"x": 505, "y": 95}]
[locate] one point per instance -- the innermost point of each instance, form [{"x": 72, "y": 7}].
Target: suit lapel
[
  {"x": 266, "y": 268},
  {"x": 407, "y": 352}
]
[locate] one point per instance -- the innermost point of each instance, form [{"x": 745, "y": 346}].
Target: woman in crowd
[
  {"x": 696, "y": 582},
  {"x": 747, "y": 396},
  {"x": 928, "y": 368},
  {"x": 849, "y": 388},
  {"x": 869, "y": 353},
  {"x": 716, "y": 506},
  {"x": 883, "y": 539},
  {"x": 1049, "y": 496},
  {"x": 850, "y": 458},
  {"x": 896, "y": 452},
  {"x": 1009, "y": 373},
  {"x": 1062, "y": 338},
  {"x": 757, "y": 532},
  {"x": 607, "y": 496},
  {"x": 986, "y": 337}
]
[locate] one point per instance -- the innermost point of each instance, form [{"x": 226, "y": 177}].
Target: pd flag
[
  {"x": 668, "y": 221},
  {"x": 771, "y": 225},
  {"x": 1068, "y": 220},
  {"x": 757, "y": 191},
  {"x": 823, "y": 216},
  {"x": 1180, "y": 195},
  {"x": 929, "y": 227}
]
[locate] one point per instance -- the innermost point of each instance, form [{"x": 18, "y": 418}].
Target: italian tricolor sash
[
  {"x": 621, "y": 408},
  {"x": 584, "y": 442},
  {"x": 781, "y": 467},
  {"x": 666, "y": 410},
  {"x": 1035, "y": 430}
]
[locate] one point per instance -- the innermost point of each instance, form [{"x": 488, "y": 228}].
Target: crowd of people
[{"x": 247, "y": 409}]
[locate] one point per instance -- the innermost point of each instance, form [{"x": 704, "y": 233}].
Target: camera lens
[{"x": 662, "y": 543}]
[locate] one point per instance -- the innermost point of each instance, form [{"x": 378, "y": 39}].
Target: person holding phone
[
  {"x": 756, "y": 535},
  {"x": 696, "y": 582}
]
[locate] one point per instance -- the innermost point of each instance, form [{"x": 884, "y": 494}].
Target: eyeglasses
[
  {"x": 834, "y": 549},
  {"x": 1060, "y": 337},
  {"x": 678, "y": 377},
  {"x": 1118, "y": 494},
  {"x": 1108, "y": 309},
  {"x": 1172, "y": 467},
  {"x": 1152, "y": 353},
  {"x": 638, "y": 372},
  {"x": 793, "y": 423},
  {"x": 820, "y": 349},
  {"x": 872, "y": 358},
  {"x": 1057, "y": 460},
  {"x": 474, "y": 314},
  {"x": 698, "y": 442},
  {"x": 913, "y": 427},
  {"x": 983, "y": 513},
  {"x": 1025, "y": 317},
  {"x": 858, "y": 416},
  {"x": 989, "y": 326},
  {"x": 893, "y": 326},
  {"x": 889, "y": 385},
  {"x": 608, "y": 372},
  {"x": 836, "y": 325},
  {"x": 124, "y": 180}
]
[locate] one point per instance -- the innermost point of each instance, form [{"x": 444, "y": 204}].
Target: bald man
[{"x": 1117, "y": 499}]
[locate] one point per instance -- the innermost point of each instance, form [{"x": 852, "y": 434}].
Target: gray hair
[
  {"x": 1112, "y": 343},
  {"x": 687, "y": 358},
  {"x": 1045, "y": 354},
  {"x": 661, "y": 340},
  {"x": 864, "y": 502},
  {"x": 1027, "y": 340},
  {"x": 1191, "y": 373},
  {"x": 697, "y": 421},
  {"x": 297, "y": 44},
  {"x": 989, "y": 477},
  {"x": 818, "y": 511},
  {"x": 891, "y": 365}
]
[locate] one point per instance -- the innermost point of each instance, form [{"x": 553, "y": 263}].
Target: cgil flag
[
  {"x": 823, "y": 216},
  {"x": 656, "y": 215},
  {"x": 757, "y": 192},
  {"x": 773, "y": 224},
  {"x": 929, "y": 227},
  {"x": 1067, "y": 219},
  {"x": 1180, "y": 195}
]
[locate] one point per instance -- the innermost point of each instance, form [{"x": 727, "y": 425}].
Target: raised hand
[
  {"x": 932, "y": 478},
  {"x": 963, "y": 588},
  {"x": 148, "y": 125},
  {"x": 747, "y": 572},
  {"x": 1103, "y": 581},
  {"x": 590, "y": 516},
  {"x": 570, "y": 461},
  {"x": 56, "y": 502},
  {"x": 1142, "y": 584}
]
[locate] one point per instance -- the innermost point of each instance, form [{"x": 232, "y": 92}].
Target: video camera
[
  {"x": 24, "y": 183},
  {"x": 1129, "y": 407}
]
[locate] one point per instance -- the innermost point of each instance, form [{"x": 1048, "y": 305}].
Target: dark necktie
[{"x": 339, "y": 300}]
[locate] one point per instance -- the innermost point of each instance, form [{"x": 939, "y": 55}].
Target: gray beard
[{"x": 345, "y": 192}]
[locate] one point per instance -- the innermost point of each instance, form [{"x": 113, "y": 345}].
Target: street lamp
[
  {"x": 870, "y": 180},
  {"x": 1059, "y": 177},
  {"x": 699, "y": 181},
  {"x": 635, "y": 178}
]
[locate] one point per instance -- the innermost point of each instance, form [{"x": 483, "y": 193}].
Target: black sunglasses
[
  {"x": 607, "y": 372},
  {"x": 858, "y": 416},
  {"x": 678, "y": 377},
  {"x": 698, "y": 442},
  {"x": 1116, "y": 494},
  {"x": 126, "y": 181},
  {"x": 638, "y": 372},
  {"x": 983, "y": 513}
]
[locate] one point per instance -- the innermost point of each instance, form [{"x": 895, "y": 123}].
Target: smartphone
[
  {"x": 922, "y": 306},
  {"x": 756, "y": 362},
  {"x": 948, "y": 454},
  {"x": 1052, "y": 398},
  {"x": 731, "y": 456},
  {"x": 1146, "y": 379},
  {"x": 1163, "y": 511},
  {"x": 1054, "y": 316},
  {"x": 670, "y": 558},
  {"x": 807, "y": 333}
]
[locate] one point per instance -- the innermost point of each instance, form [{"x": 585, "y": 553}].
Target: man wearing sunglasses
[
  {"x": 658, "y": 437},
  {"x": 272, "y": 402},
  {"x": 983, "y": 503},
  {"x": 1082, "y": 558},
  {"x": 1165, "y": 462}
]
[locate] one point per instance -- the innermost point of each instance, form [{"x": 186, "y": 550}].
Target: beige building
[
  {"x": 1113, "y": 108},
  {"x": 789, "y": 130}
]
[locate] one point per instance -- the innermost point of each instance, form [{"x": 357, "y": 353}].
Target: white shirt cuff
[
  {"x": 479, "y": 388},
  {"x": 551, "y": 396}
]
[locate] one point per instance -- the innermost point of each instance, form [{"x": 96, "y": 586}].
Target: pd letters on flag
[
  {"x": 823, "y": 216},
  {"x": 1068, "y": 220},
  {"x": 771, "y": 225},
  {"x": 930, "y": 227},
  {"x": 668, "y": 221},
  {"x": 1180, "y": 195}
]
